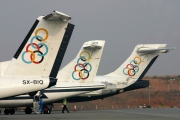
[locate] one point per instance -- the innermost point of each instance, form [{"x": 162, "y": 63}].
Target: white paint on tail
[
  {"x": 31, "y": 67},
  {"x": 84, "y": 67}
]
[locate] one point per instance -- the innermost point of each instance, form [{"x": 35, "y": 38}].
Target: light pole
[{"x": 149, "y": 97}]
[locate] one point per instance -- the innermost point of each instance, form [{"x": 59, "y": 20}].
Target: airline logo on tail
[
  {"x": 133, "y": 67},
  {"x": 83, "y": 68},
  {"x": 35, "y": 52}
]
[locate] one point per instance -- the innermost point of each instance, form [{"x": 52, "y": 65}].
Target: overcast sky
[{"x": 121, "y": 23}]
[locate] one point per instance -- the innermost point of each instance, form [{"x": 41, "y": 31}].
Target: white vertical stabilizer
[
  {"x": 84, "y": 67},
  {"x": 139, "y": 62},
  {"x": 36, "y": 63}
]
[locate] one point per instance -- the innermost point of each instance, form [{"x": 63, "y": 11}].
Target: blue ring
[
  {"x": 28, "y": 62},
  {"x": 31, "y": 42},
  {"x": 74, "y": 77},
  {"x": 89, "y": 65},
  {"x": 45, "y": 47}
]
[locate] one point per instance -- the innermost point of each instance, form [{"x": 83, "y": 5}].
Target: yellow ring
[
  {"x": 87, "y": 54},
  {"x": 79, "y": 71},
  {"x": 44, "y": 31},
  {"x": 33, "y": 55},
  {"x": 139, "y": 59},
  {"x": 81, "y": 75}
]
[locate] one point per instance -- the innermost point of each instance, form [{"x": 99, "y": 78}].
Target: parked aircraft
[
  {"x": 74, "y": 79},
  {"x": 128, "y": 76},
  {"x": 36, "y": 63}
]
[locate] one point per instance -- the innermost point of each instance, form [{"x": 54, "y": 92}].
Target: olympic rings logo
[
  {"x": 37, "y": 47},
  {"x": 133, "y": 67},
  {"x": 83, "y": 68}
]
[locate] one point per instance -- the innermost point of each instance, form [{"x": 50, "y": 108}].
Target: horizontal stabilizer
[
  {"x": 152, "y": 50},
  {"x": 92, "y": 44},
  {"x": 57, "y": 16}
]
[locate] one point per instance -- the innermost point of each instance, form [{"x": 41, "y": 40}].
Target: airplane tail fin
[
  {"x": 139, "y": 62},
  {"x": 84, "y": 67},
  {"x": 43, "y": 49}
]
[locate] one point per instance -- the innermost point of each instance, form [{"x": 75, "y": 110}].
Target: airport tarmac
[{"x": 121, "y": 114}]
